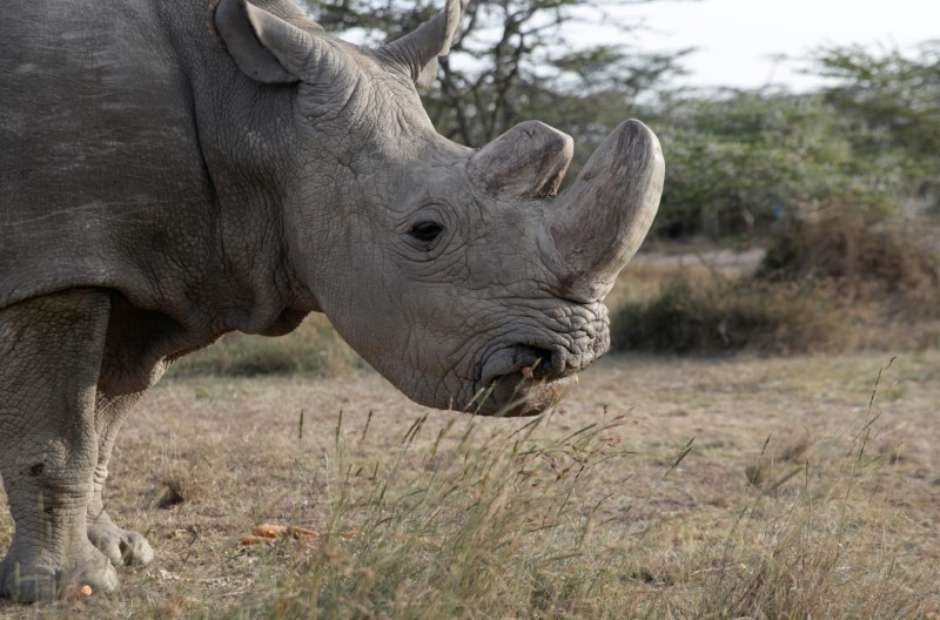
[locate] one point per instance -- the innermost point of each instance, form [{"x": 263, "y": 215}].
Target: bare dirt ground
[
  {"x": 726, "y": 262},
  {"x": 204, "y": 460}
]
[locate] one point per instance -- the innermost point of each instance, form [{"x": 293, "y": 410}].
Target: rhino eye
[{"x": 426, "y": 232}]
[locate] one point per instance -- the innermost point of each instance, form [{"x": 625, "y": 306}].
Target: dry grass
[
  {"x": 698, "y": 264},
  {"x": 740, "y": 488},
  {"x": 889, "y": 262}
]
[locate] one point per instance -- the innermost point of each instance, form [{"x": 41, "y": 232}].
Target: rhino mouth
[{"x": 522, "y": 380}]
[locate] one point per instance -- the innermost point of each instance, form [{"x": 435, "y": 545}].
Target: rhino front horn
[{"x": 599, "y": 222}]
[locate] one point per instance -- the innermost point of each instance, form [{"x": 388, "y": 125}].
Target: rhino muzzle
[
  {"x": 521, "y": 380},
  {"x": 591, "y": 231},
  {"x": 524, "y": 371}
]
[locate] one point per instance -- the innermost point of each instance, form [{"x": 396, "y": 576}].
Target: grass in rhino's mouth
[
  {"x": 524, "y": 361},
  {"x": 524, "y": 392}
]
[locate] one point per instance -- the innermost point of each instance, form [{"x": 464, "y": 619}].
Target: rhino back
[{"x": 103, "y": 183}]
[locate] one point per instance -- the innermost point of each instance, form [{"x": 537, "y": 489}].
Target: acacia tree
[
  {"x": 890, "y": 101},
  {"x": 514, "y": 60}
]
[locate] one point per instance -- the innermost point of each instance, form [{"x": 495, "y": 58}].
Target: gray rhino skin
[{"x": 175, "y": 170}]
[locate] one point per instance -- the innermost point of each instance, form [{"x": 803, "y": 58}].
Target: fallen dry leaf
[
  {"x": 247, "y": 541},
  {"x": 79, "y": 594},
  {"x": 269, "y": 532},
  {"x": 302, "y": 533}
]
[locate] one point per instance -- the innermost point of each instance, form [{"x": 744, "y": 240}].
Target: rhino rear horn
[
  {"x": 266, "y": 47},
  {"x": 528, "y": 161},
  {"x": 417, "y": 51}
]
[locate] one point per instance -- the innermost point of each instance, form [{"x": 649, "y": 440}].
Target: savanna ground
[{"x": 723, "y": 487}]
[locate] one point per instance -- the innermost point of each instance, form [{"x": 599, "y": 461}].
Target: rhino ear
[
  {"x": 417, "y": 51},
  {"x": 265, "y": 47}
]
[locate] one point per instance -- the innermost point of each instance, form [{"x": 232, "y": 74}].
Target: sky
[{"x": 738, "y": 39}]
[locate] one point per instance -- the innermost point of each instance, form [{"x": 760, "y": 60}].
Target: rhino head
[{"x": 459, "y": 274}]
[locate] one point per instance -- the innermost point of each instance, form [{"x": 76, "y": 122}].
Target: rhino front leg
[
  {"x": 50, "y": 355},
  {"x": 122, "y": 547}
]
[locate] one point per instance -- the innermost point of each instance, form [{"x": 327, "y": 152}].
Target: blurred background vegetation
[{"x": 838, "y": 189}]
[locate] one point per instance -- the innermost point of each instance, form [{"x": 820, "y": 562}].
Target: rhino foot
[
  {"x": 122, "y": 547},
  {"x": 29, "y": 580}
]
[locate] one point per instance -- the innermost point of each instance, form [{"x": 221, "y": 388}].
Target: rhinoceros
[{"x": 176, "y": 170}]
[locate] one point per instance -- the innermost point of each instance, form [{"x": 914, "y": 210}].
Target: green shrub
[
  {"x": 725, "y": 316},
  {"x": 740, "y": 164}
]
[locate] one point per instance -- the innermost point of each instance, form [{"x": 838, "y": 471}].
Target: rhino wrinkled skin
[{"x": 175, "y": 170}]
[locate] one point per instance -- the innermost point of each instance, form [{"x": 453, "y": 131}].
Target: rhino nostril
[
  {"x": 549, "y": 363},
  {"x": 544, "y": 364}
]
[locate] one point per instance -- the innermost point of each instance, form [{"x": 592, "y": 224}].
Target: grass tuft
[{"x": 519, "y": 524}]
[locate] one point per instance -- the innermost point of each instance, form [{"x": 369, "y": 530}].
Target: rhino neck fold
[{"x": 245, "y": 148}]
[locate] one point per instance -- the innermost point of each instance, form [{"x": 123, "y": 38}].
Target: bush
[
  {"x": 866, "y": 259},
  {"x": 842, "y": 279},
  {"x": 739, "y": 165},
  {"x": 740, "y": 161},
  {"x": 724, "y": 316}
]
